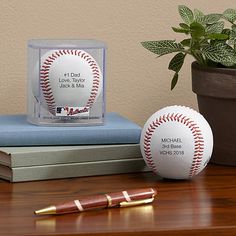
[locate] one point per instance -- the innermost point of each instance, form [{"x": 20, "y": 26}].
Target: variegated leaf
[
  {"x": 215, "y": 28},
  {"x": 212, "y": 18},
  {"x": 162, "y": 47},
  {"x": 232, "y": 37},
  {"x": 186, "y": 14},
  {"x": 230, "y": 15},
  {"x": 198, "y": 16},
  {"x": 218, "y": 53},
  {"x": 229, "y": 51}
]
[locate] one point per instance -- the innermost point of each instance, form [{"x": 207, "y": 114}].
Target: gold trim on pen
[
  {"x": 109, "y": 200},
  {"x": 78, "y": 204},
  {"x": 136, "y": 203},
  {"x": 46, "y": 211}
]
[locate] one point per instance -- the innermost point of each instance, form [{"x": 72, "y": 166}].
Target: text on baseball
[
  {"x": 171, "y": 147},
  {"x": 71, "y": 80}
]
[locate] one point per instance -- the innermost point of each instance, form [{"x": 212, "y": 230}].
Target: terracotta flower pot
[{"x": 216, "y": 95}]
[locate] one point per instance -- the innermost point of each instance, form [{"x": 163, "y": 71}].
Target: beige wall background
[{"x": 138, "y": 84}]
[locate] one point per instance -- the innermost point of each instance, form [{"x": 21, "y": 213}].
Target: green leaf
[
  {"x": 198, "y": 16},
  {"x": 213, "y": 53},
  {"x": 186, "y": 42},
  {"x": 197, "y": 30},
  {"x": 184, "y": 26},
  {"x": 177, "y": 62},
  {"x": 174, "y": 80},
  {"x": 234, "y": 28},
  {"x": 217, "y": 36},
  {"x": 229, "y": 51},
  {"x": 226, "y": 31},
  {"x": 162, "y": 47},
  {"x": 232, "y": 37},
  {"x": 230, "y": 15},
  {"x": 219, "y": 52},
  {"x": 215, "y": 28},
  {"x": 186, "y": 14},
  {"x": 181, "y": 30},
  {"x": 212, "y": 18}
]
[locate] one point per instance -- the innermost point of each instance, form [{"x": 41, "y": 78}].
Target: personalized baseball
[
  {"x": 70, "y": 81},
  {"x": 176, "y": 142}
]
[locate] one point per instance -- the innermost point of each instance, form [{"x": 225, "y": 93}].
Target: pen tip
[{"x": 46, "y": 211}]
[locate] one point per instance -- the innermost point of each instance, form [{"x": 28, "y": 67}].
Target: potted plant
[{"x": 211, "y": 41}]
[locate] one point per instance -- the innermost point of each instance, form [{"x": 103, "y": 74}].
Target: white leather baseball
[
  {"x": 70, "y": 78},
  {"x": 176, "y": 142}
]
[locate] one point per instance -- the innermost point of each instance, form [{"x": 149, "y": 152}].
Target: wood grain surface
[{"x": 205, "y": 205}]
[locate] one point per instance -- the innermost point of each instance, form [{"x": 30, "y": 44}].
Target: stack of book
[{"x": 29, "y": 152}]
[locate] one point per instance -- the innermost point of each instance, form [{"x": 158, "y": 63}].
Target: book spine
[
  {"x": 78, "y": 170},
  {"x": 60, "y": 155},
  {"x": 16, "y": 131},
  {"x": 45, "y": 138}
]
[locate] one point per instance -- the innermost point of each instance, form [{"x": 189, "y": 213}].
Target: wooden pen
[{"x": 132, "y": 197}]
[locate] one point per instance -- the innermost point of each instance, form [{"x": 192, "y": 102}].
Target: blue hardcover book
[{"x": 16, "y": 131}]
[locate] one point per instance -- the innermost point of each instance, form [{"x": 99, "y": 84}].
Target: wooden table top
[{"x": 205, "y": 205}]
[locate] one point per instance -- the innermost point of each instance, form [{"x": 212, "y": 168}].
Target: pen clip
[{"x": 136, "y": 203}]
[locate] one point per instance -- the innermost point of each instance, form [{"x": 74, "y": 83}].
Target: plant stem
[
  {"x": 199, "y": 57},
  {"x": 194, "y": 50}
]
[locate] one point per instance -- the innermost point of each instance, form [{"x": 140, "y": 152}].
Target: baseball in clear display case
[{"x": 66, "y": 82}]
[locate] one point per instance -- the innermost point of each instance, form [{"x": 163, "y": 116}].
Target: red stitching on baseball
[
  {"x": 45, "y": 82},
  {"x": 196, "y": 132}
]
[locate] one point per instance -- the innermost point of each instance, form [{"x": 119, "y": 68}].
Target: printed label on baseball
[
  {"x": 172, "y": 147},
  {"x": 70, "y": 78},
  {"x": 176, "y": 142},
  {"x": 72, "y": 111}
]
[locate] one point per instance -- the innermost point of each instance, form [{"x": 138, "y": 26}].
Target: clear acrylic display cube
[{"x": 66, "y": 82}]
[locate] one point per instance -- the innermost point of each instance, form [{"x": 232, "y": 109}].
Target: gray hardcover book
[
  {"x": 92, "y": 168},
  {"x": 51, "y": 155}
]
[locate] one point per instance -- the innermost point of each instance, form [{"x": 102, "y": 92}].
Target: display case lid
[{"x": 65, "y": 43}]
